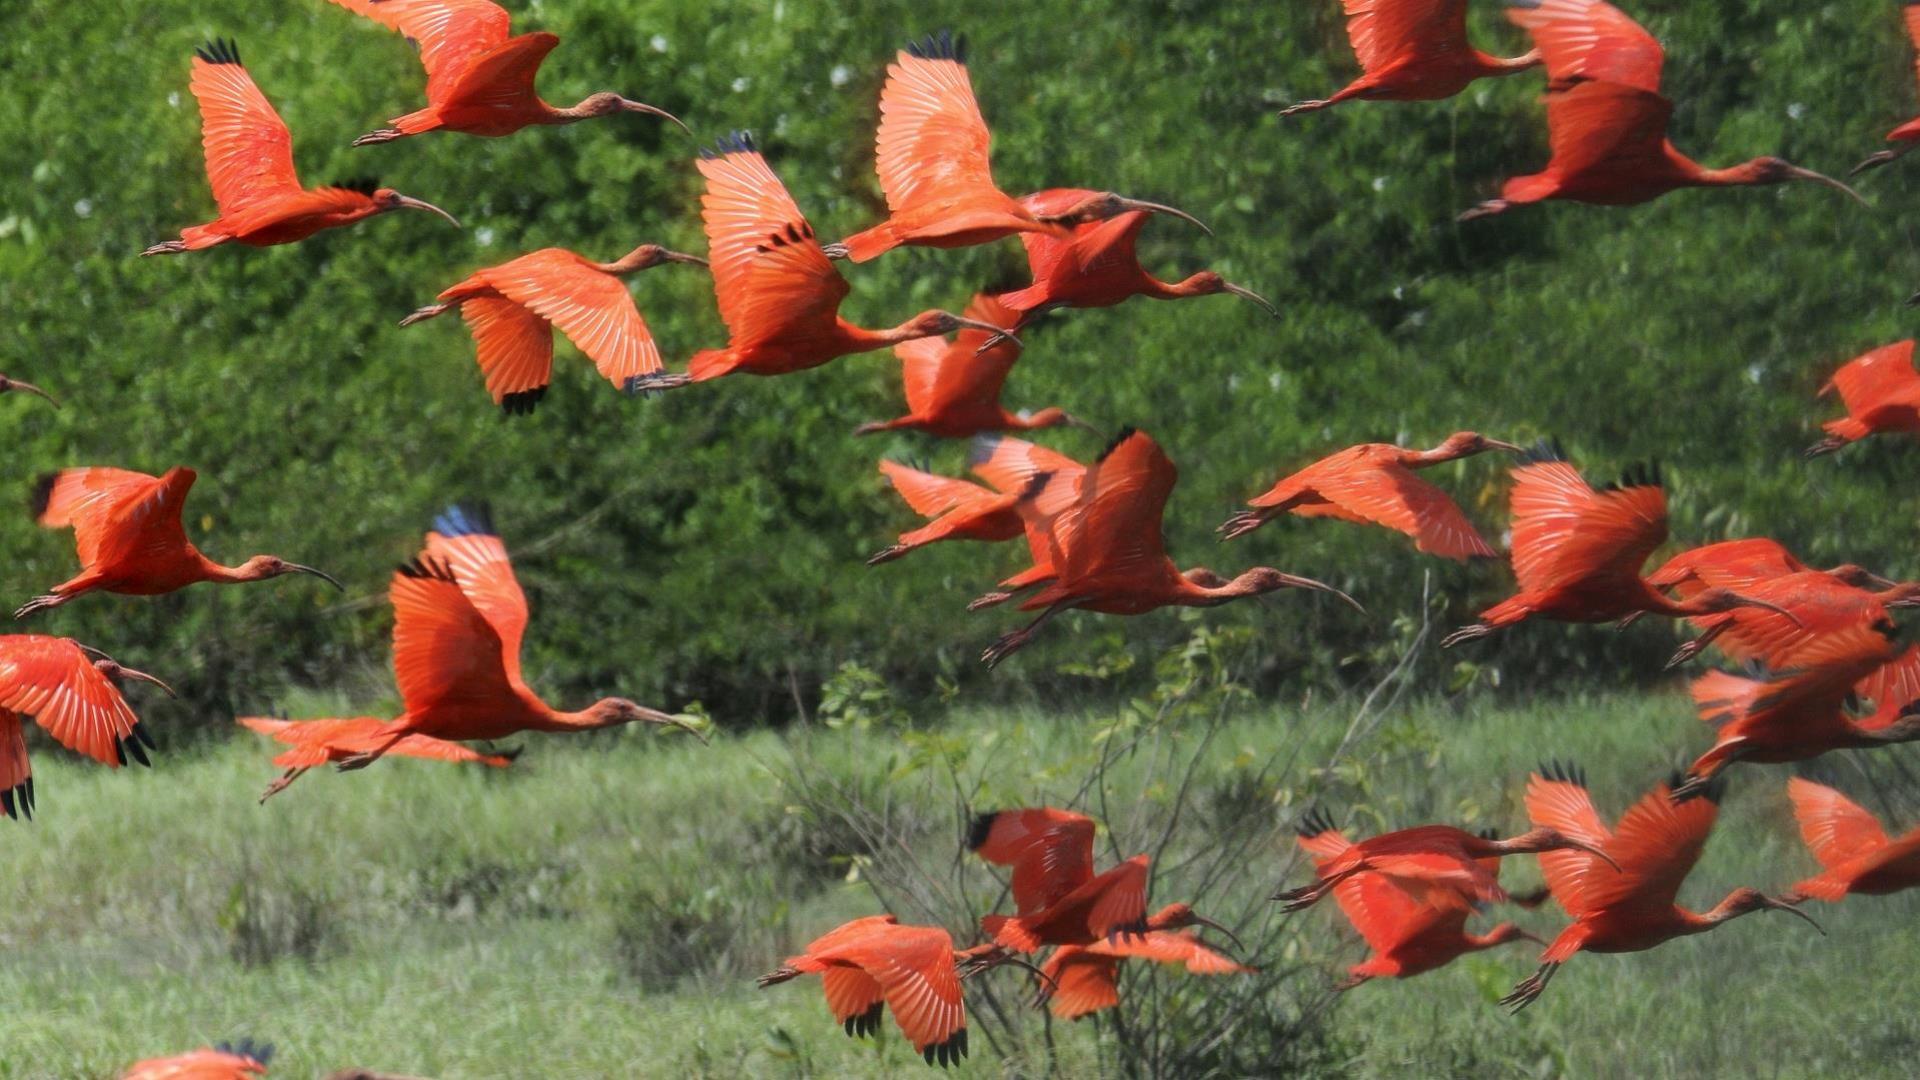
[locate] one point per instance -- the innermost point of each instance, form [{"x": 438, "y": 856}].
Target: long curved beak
[
  {"x": 643, "y": 107},
  {"x": 16, "y": 384},
  {"x": 1496, "y": 444},
  {"x": 670, "y": 720},
  {"x": 997, "y": 334},
  {"x": 1798, "y": 173},
  {"x": 1248, "y": 294},
  {"x": 1202, "y": 920},
  {"x": 412, "y": 203},
  {"x": 141, "y": 676},
  {"x": 1748, "y": 601},
  {"x": 321, "y": 574},
  {"x": 1144, "y": 206},
  {"x": 682, "y": 257},
  {"x": 1781, "y": 905},
  {"x": 1594, "y": 850},
  {"x": 1294, "y": 581}
]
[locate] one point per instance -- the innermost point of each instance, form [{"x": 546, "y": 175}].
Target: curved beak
[
  {"x": 643, "y": 107},
  {"x": 141, "y": 676},
  {"x": 684, "y": 724},
  {"x": 1202, "y": 920},
  {"x": 1594, "y": 850},
  {"x": 16, "y": 384},
  {"x": 321, "y": 574},
  {"x": 412, "y": 203},
  {"x": 1496, "y": 444},
  {"x": 1294, "y": 581},
  {"x": 682, "y": 257},
  {"x": 1248, "y": 294},
  {"x": 1144, "y": 206},
  {"x": 1748, "y": 601},
  {"x": 997, "y": 334},
  {"x": 1797, "y": 173},
  {"x": 1782, "y": 905}
]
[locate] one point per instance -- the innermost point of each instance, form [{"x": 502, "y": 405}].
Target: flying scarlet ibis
[
  {"x": 1821, "y": 602},
  {"x": 479, "y": 76},
  {"x": 1049, "y": 480},
  {"x": 953, "y": 389},
  {"x": 250, "y": 165},
  {"x": 68, "y": 689},
  {"x": 1086, "y": 978},
  {"x": 1374, "y": 482},
  {"x": 1606, "y": 118},
  {"x": 933, "y": 161},
  {"x": 1106, "y": 553},
  {"x": 243, "y": 1060},
  {"x": 1881, "y": 391},
  {"x": 1433, "y": 864},
  {"x": 872, "y": 963},
  {"x": 778, "y": 294},
  {"x": 1907, "y": 135},
  {"x": 126, "y": 526},
  {"x": 1855, "y": 853},
  {"x": 511, "y": 310},
  {"x": 1577, "y": 552},
  {"x": 1096, "y": 265},
  {"x": 1413, "y": 50},
  {"x": 458, "y": 618},
  {"x": 8, "y": 385},
  {"x": 960, "y": 509},
  {"x": 1655, "y": 844},
  {"x": 1406, "y": 935},
  {"x": 318, "y": 742}
]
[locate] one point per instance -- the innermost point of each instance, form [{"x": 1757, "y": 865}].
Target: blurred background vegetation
[{"x": 708, "y": 544}]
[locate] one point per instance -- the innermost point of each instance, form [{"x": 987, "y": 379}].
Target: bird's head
[
  {"x": 386, "y": 199},
  {"x": 1102, "y": 205},
  {"x": 1743, "y": 901},
  {"x": 937, "y": 323},
  {"x": 1265, "y": 579},
  {"x": 616, "y": 711},
  {"x": 1773, "y": 170},
  {"x": 1465, "y": 443},
  {"x": 1177, "y": 915},
  {"x": 1209, "y": 282},
  {"x": 606, "y": 103},
  {"x": 1904, "y": 594},
  {"x": 1860, "y": 577},
  {"x": 262, "y": 567}
]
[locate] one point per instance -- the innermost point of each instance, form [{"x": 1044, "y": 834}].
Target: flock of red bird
[{"x": 1828, "y": 670}]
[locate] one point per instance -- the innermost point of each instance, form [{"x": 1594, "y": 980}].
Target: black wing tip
[
  {"x": 220, "y": 51},
  {"x": 866, "y": 1025},
  {"x": 733, "y": 142},
  {"x": 940, "y": 45},
  {"x": 1544, "y": 451},
  {"x": 465, "y": 519},
  {"x": 1316, "y": 822},
  {"x": 17, "y": 801},
  {"x": 261, "y": 1052},
  {"x": 947, "y": 1053},
  {"x": 1565, "y": 772},
  {"x": 424, "y": 568},
  {"x": 364, "y": 185},
  {"x": 522, "y": 402},
  {"x": 1125, "y": 433},
  {"x": 1638, "y": 474},
  {"x": 41, "y": 495},
  {"x": 979, "y": 827}
]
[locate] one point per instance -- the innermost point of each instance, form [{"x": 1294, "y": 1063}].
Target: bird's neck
[
  {"x": 224, "y": 575},
  {"x": 1499, "y": 935},
  {"x": 588, "y": 719},
  {"x": 1744, "y": 174},
  {"x": 1699, "y": 922},
  {"x": 1420, "y": 459},
  {"x": 1502, "y": 65},
  {"x": 1190, "y": 286},
  {"x": 554, "y": 114},
  {"x": 864, "y": 340},
  {"x": 625, "y": 264},
  {"x": 1195, "y": 595}
]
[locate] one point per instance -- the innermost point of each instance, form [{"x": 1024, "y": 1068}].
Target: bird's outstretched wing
[
  {"x": 1656, "y": 843},
  {"x": 1123, "y": 495},
  {"x": 1557, "y": 798},
  {"x": 770, "y": 277},
  {"x": 913, "y": 966},
  {"x": 933, "y": 142},
  {"x": 1563, "y": 528},
  {"x": 1730, "y": 564},
  {"x": 53, "y": 681},
  {"x": 1884, "y": 375},
  {"x": 1834, "y": 827},
  {"x": 114, "y": 512},
  {"x": 1384, "y": 32},
  {"x": 514, "y": 348},
  {"x": 450, "y": 34},
  {"x": 591, "y": 307},
  {"x": 248, "y": 148},
  {"x": 1590, "y": 40},
  {"x": 930, "y": 495},
  {"x": 1391, "y": 495},
  {"x": 447, "y": 657},
  {"x": 1050, "y": 851},
  {"x": 464, "y": 539}
]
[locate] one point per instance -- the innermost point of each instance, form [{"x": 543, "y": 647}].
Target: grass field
[{"x": 599, "y": 909}]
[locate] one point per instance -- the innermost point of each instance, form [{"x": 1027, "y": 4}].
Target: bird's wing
[
  {"x": 502, "y": 76},
  {"x": 512, "y": 345},
  {"x": 1046, "y": 250},
  {"x": 1009, "y": 463},
  {"x": 1607, "y": 128},
  {"x": 1084, "y": 981},
  {"x": 53, "y": 681},
  {"x": 1590, "y": 40},
  {"x": 446, "y": 655},
  {"x": 97, "y": 502},
  {"x": 1730, "y": 564},
  {"x": 850, "y": 931},
  {"x": 1891, "y": 687},
  {"x": 1386, "y": 31},
  {"x": 590, "y": 306},
  {"x": 1559, "y": 800},
  {"x": 1123, "y": 901},
  {"x": 1656, "y": 844},
  {"x": 1562, "y": 528},
  {"x": 16, "y": 769},
  {"x": 450, "y": 34},
  {"x": 850, "y": 992},
  {"x": 1122, "y": 498},
  {"x": 1835, "y": 828},
  {"x": 930, "y": 495},
  {"x": 920, "y": 362},
  {"x": 933, "y": 142},
  {"x": 1911, "y": 11},
  {"x": 1392, "y": 495},
  {"x": 248, "y": 148},
  {"x": 1883, "y": 375},
  {"x": 1821, "y": 604},
  {"x": 1386, "y": 915},
  {"x": 769, "y": 275},
  {"x": 464, "y": 540},
  {"x": 1170, "y": 947},
  {"x": 1050, "y": 850},
  {"x": 970, "y": 374},
  {"x": 914, "y": 967}
]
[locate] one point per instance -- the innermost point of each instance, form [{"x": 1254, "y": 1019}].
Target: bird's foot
[
  {"x": 834, "y": 251},
  {"x": 1685, "y": 653},
  {"x": 1529, "y": 989},
  {"x": 870, "y": 427},
  {"x": 425, "y": 313},
  {"x": 1691, "y": 787},
  {"x": 356, "y": 762},
  {"x": 657, "y": 381},
  {"x": 1305, "y": 106},
  {"x": 165, "y": 247},
  {"x": 1306, "y": 896},
  {"x": 1349, "y": 983},
  {"x": 888, "y": 554},
  {"x": 1874, "y": 161},
  {"x": 1485, "y": 209},
  {"x": 1466, "y": 633},
  {"x": 1239, "y": 525},
  {"x": 1829, "y": 445},
  {"x": 1008, "y": 644},
  {"x": 39, "y": 603},
  {"x": 379, "y": 136},
  {"x": 988, "y": 600},
  {"x": 1628, "y": 620},
  {"x": 280, "y": 784}
]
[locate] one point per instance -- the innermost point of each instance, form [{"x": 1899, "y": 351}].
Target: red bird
[
  {"x": 317, "y": 742},
  {"x": 1096, "y": 265},
  {"x": 1606, "y": 119},
  {"x": 1437, "y": 865},
  {"x": 932, "y": 157},
  {"x": 244, "y": 1060},
  {"x": 869, "y": 964},
  {"x": 479, "y": 77},
  {"x": 458, "y": 617},
  {"x": 778, "y": 294},
  {"x": 9, "y": 385},
  {"x": 1106, "y": 553},
  {"x": 960, "y": 511},
  {"x": 68, "y": 690},
  {"x": 511, "y": 310},
  {"x": 1052, "y": 482},
  {"x": 1854, "y": 851},
  {"x": 1882, "y": 394},
  {"x": 1577, "y": 552},
  {"x": 1414, "y": 50},
  {"x": 1747, "y": 562},
  {"x": 1655, "y": 844},
  {"x": 1907, "y": 135},
  {"x": 1374, "y": 482},
  {"x": 953, "y": 390},
  {"x": 1407, "y": 936},
  {"x": 250, "y": 165},
  {"x": 127, "y": 528},
  {"x": 1085, "y": 979}
]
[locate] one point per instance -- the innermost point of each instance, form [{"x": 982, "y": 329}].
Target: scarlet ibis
[
  {"x": 1049, "y": 850},
  {"x": 243, "y": 1060},
  {"x": 68, "y": 689},
  {"x": 1374, "y": 482},
  {"x": 778, "y": 294},
  {"x": 479, "y": 76},
  {"x": 127, "y": 528},
  {"x": 1855, "y": 853},
  {"x": 8, "y": 385},
  {"x": 1577, "y": 552},
  {"x": 875, "y": 962},
  {"x": 317, "y": 742},
  {"x": 1746, "y": 562},
  {"x": 1050, "y": 480},
  {"x": 1414, "y": 50},
  {"x": 1904, "y": 136},
  {"x": 1086, "y": 978},
  {"x": 250, "y": 165},
  {"x": 1821, "y": 603},
  {"x": 1096, "y": 266},
  {"x": 1407, "y": 936},
  {"x": 953, "y": 390},
  {"x": 511, "y": 310},
  {"x": 458, "y": 617},
  {"x": 960, "y": 510},
  {"x": 1607, "y": 120},
  {"x": 932, "y": 157},
  {"x": 1881, "y": 391},
  {"x": 1799, "y": 713},
  {"x": 1106, "y": 906},
  {"x": 1106, "y": 553},
  {"x": 1434, "y": 864},
  {"x": 1655, "y": 844}
]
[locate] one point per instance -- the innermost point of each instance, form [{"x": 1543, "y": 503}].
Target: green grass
[{"x": 600, "y": 908}]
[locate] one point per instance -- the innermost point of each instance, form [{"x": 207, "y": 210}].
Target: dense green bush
[{"x": 707, "y": 544}]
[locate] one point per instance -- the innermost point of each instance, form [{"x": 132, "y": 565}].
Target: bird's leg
[
  {"x": 1241, "y": 524},
  {"x": 365, "y": 758},
  {"x": 1829, "y": 444},
  {"x": 1527, "y": 990},
  {"x": 987, "y": 600},
  {"x": 1013, "y": 642},
  {"x": 887, "y": 554},
  {"x": 1694, "y": 648},
  {"x": 1307, "y": 895},
  {"x": 657, "y": 381},
  {"x": 1467, "y": 633},
  {"x": 165, "y": 247},
  {"x": 1884, "y": 157},
  {"x": 40, "y": 603},
  {"x": 425, "y": 313},
  {"x": 379, "y": 135},
  {"x": 1485, "y": 209},
  {"x": 1349, "y": 983},
  {"x": 834, "y": 251},
  {"x": 281, "y": 784},
  {"x": 1629, "y": 619},
  {"x": 1306, "y": 106}
]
